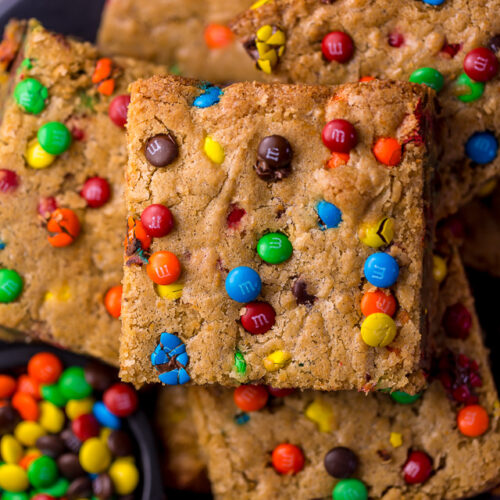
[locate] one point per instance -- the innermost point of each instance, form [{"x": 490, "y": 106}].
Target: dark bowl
[{"x": 150, "y": 487}]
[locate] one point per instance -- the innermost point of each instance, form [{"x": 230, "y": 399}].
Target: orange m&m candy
[
  {"x": 250, "y": 397},
  {"x": 113, "y": 301},
  {"x": 387, "y": 151},
  {"x": 378, "y": 302},
  {"x": 473, "y": 420},
  {"x": 163, "y": 268},
  {"x": 337, "y": 160},
  {"x": 136, "y": 231},
  {"x": 7, "y": 386},
  {"x": 288, "y": 459},
  {"x": 26, "y": 405},
  {"x": 45, "y": 368},
  {"x": 103, "y": 69},
  {"x": 64, "y": 227},
  {"x": 29, "y": 385},
  {"x": 218, "y": 36}
]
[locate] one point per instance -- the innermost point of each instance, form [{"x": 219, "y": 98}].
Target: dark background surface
[{"x": 81, "y": 18}]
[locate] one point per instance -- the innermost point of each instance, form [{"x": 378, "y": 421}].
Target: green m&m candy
[
  {"x": 54, "y": 137},
  {"x": 349, "y": 489},
  {"x": 11, "y": 495},
  {"x": 72, "y": 383},
  {"x": 53, "y": 394},
  {"x": 428, "y": 76},
  {"x": 30, "y": 95},
  {"x": 43, "y": 472},
  {"x": 11, "y": 285},
  {"x": 468, "y": 90},
  {"x": 274, "y": 248},
  {"x": 404, "y": 398},
  {"x": 57, "y": 490}
]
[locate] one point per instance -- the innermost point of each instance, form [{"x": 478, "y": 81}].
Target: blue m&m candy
[
  {"x": 170, "y": 359},
  {"x": 210, "y": 96},
  {"x": 329, "y": 215},
  {"x": 381, "y": 270},
  {"x": 243, "y": 284},
  {"x": 482, "y": 147},
  {"x": 433, "y": 2},
  {"x": 105, "y": 417}
]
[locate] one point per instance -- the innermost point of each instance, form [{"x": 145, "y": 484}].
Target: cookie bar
[
  {"x": 190, "y": 36},
  {"x": 62, "y": 157},
  {"x": 184, "y": 468},
  {"x": 480, "y": 219},
  {"x": 444, "y": 444},
  {"x": 447, "y": 46},
  {"x": 282, "y": 216}
]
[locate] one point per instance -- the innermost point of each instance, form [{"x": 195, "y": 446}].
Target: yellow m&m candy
[{"x": 378, "y": 330}]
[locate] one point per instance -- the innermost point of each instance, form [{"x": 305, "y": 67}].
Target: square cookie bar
[
  {"x": 62, "y": 157},
  {"x": 452, "y": 47},
  {"x": 190, "y": 36},
  {"x": 266, "y": 222},
  {"x": 444, "y": 444}
]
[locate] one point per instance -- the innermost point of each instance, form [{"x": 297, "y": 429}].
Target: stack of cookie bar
[{"x": 277, "y": 235}]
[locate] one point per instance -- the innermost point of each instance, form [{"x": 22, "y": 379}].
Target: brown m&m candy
[
  {"x": 161, "y": 150},
  {"x": 341, "y": 462},
  {"x": 69, "y": 466},
  {"x": 274, "y": 157},
  {"x": 102, "y": 487}
]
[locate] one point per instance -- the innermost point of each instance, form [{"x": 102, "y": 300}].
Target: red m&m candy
[
  {"x": 288, "y": 459},
  {"x": 337, "y": 46},
  {"x": 118, "y": 108},
  {"x": 250, "y": 397},
  {"x": 418, "y": 468},
  {"x": 481, "y": 64},
  {"x": 258, "y": 317},
  {"x": 95, "y": 191},
  {"x": 8, "y": 181},
  {"x": 339, "y": 136},
  {"x": 457, "y": 321},
  {"x": 280, "y": 393},
  {"x": 46, "y": 206},
  {"x": 85, "y": 427},
  {"x": 157, "y": 220},
  {"x": 121, "y": 400}
]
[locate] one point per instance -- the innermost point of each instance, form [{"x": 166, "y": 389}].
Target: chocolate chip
[
  {"x": 9, "y": 418},
  {"x": 341, "y": 462},
  {"x": 494, "y": 43},
  {"x": 120, "y": 444},
  {"x": 102, "y": 487},
  {"x": 69, "y": 466},
  {"x": 274, "y": 156},
  {"x": 161, "y": 150},
  {"x": 299, "y": 290},
  {"x": 80, "y": 488},
  {"x": 100, "y": 377},
  {"x": 51, "y": 445},
  {"x": 71, "y": 441}
]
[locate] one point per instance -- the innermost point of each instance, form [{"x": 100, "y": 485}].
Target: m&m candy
[
  {"x": 482, "y": 147},
  {"x": 258, "y": 317},
  {"x": 243, "y": 284},
  {"x": 11, "y": 285},
  {"x": 287, "y": 459},
  {"x": 381, "y": 269},
  {"x": 54, "y": 138},
  {"x": 274, "y": 248},
  {"x": 329, "y": 215}
]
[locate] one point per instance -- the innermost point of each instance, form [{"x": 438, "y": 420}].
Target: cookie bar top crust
[
  {"x": 304, "y": 327},
  {"x": 384, "y": 432},
  {"x": 191, "y": 36},
  {"x": 58, "y": 292},
  {"x": 332, "y": 42}
]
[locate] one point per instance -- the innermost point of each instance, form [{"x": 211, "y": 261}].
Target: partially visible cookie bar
[
  {"x": 279, "y": 218},
  {"x": 481, "y": 236},
  {"x": 452, "y": 47},
  {"x": 183, "y": 465},
  {"x": 190, "y": 36},
  {"x": 62, "y": 159},
  {"x": 444, "y": 444}
]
